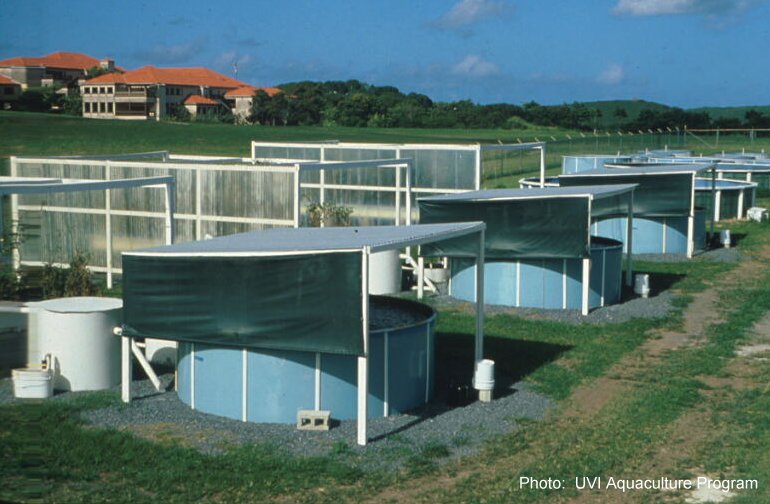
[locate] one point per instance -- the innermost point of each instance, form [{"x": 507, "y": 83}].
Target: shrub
[
  {"x": 68, "y": 282},
  {"x": 328, "y": 214}
]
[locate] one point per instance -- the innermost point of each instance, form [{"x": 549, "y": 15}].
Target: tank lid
[{"x": 79, "y": 304}]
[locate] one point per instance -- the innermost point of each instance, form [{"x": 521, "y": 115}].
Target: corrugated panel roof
[
  {"x": 621, "y": 170},
  {"x": 286, "y": 241},
  {"x": 597, "y": 192}
]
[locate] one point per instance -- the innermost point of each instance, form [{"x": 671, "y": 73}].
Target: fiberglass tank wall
[
  {"x": 277, "y": 383},
  {"x": 544, "y": 283},
  {"x": 656, "y": 235}
]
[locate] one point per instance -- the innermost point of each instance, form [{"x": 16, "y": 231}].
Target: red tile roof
[
  {"x": 199, "y": 100},
  {"x": 5, "y": 80},
  {"x": 55, "y": 60},
  {"x": 170, "y": 76},
  {"x": 248, "y": 91}
]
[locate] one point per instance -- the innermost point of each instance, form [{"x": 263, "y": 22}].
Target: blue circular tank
[
  {"x": 544, "y": 283},
  {"x": 272, "y": 385},
  {"x": 652, "y": 235}
]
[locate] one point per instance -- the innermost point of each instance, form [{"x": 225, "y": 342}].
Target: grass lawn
[{"x": 641, "y": 399}]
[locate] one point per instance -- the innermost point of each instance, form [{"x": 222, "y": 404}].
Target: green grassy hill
[
  {"x": 25, "y": 133},
  {"x": 732, "y": 112},
  {"x": 632, "y": 108}
]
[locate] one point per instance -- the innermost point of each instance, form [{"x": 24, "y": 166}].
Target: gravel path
[{"x": 393, "y": 441}]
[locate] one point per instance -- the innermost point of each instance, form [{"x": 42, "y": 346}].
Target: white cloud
[
  {"x": 612, "y": 74},
  {"x": 229, "y": 58},
  {"x": 466, "y": 13},
  {"x": 670, "y": 7},
  {"x": 474, "y": 66},
  {"x": 172, "y": 54}
]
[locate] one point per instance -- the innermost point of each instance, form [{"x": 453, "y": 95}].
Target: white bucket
[
  {"x": 31, "y": 383},
  {"x": 484, "y": 377},
  {"x": 724, "y": 238},
  {"x": 642, "y": 285}
]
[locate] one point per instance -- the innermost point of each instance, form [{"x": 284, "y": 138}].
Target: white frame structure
[
  {"x": 15, "y": 186},
  {"x": 477, "y": 149},
  {"x": 200, "y": 164},
  {"x": 409, "y": 237}
]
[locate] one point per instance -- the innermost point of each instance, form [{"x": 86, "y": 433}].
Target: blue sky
[{"x": 686, "y": 53}]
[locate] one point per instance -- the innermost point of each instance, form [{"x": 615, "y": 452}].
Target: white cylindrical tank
[
  {"x": 77, "y": 332},
  {"x": 385, "y": 272},
  {"x": 160, "y": 351}
]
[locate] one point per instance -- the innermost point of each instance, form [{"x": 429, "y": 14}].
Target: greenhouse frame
[
  {"x": 214, "y": 196},
  {"x": 19, "y": 186},
  {"x": 438, "y": 168}
]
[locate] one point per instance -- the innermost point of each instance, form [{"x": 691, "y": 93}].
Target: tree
[{"x": 259, "y": 107}]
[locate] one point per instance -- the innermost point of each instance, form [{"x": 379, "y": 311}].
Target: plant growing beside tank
[
  {"x": 68, "y": 282},
  {"x": 328, "y": 214}
]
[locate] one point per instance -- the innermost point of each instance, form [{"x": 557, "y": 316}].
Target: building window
[
  {"x": 87, "y": 107},
  {"x": 109, "y": 108}
]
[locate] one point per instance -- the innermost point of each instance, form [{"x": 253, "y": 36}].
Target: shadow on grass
[{"x": 514, "y": 360}]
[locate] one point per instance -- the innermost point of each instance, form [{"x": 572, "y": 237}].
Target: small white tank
[
  {"x": 77, "y": 333},
  {"x": 385, "y": 272}
]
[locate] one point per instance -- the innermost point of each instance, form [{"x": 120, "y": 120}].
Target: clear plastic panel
[
  {"x": 257, "y": 194},
  {"x": 269, "y": 152},
  {"x": 132, "y": 233},
  {"x": 147, "y": 199},
  {"x": 443, "y": 169}
]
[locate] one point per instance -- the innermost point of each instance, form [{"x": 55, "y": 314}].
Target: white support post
[
  {"x": 126, "y": 371},
  {"x": 317, "y": 382},
  {"x": 363, "y": 361},
  {"x": 192, "y": 375},
  {"x": 170, "y": 211},
  {"x": 322, "y": 191},
  {"x": 296, "y": 195},
  {"x": 199, "y": 203},
  {"x": 564, "y": 284},
  {"x": 420, "y": 277},
  {"x": 145, "y": 365},
  {"x": 585, "y": 284},
  {"x": 108, "y": 224},
  {"x": 478, "y": 167},
  {"x": 398, "y": 195},
  {"x": 630, "y": 242},
  {"x": 409, "y": 194},
  {"x": 386, "y": 375},
  {"x": 15, "y": 254},
  {"x": 479, "y": 341},
  {"x": 542, "y": 166},
  {"x": 245, "y": 385}
]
